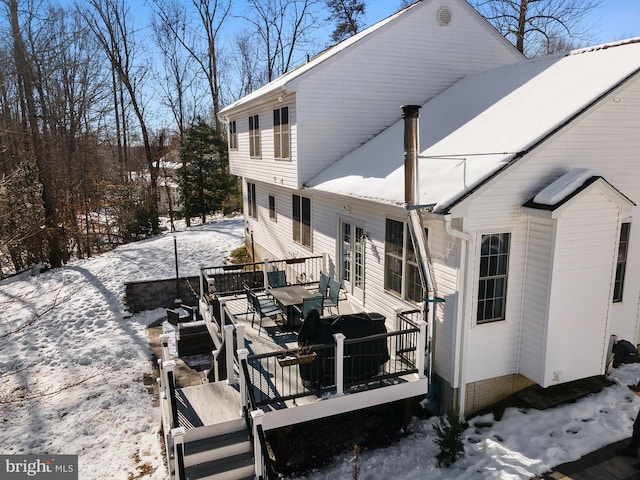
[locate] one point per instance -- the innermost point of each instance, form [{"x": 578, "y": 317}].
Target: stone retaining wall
[{"x": 149, "y": 295}]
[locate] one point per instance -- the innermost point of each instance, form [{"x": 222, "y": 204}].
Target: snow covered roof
[
  {"x": 281, "y": 83},
  {"x": 480, "y": 124}
]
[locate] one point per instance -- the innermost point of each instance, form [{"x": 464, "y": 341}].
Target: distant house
[{"x": 529, "y": 171}]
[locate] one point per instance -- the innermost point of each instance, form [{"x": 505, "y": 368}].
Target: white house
[{"x": 529, "y": 171}]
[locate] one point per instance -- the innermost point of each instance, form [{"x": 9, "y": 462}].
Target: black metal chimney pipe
[{"x": 411, "y": 114}]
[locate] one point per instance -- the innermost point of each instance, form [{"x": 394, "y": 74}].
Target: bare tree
[
  {"x": 170, "y": 29},
  {"x": 283, "y": 28},
  {"x": 35, "y": 131},
  {"x": 201, "y": 42},
  {"x": 533, "y": 25},
  {"x": 108, "y": 20}
]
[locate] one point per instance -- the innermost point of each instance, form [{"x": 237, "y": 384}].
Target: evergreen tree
[
  {"x": 347, "y": 15},
  {"x": 205, "y": 182}
]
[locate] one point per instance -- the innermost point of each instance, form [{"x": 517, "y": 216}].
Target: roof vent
[{"x": 444, "y": 16}]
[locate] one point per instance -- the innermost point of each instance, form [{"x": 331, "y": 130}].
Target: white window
[
  {"x": 492, "y": 285},
  {"x": 621, "y": 266},
  {"x": 401, "y": 273},
  {"x": 251, "y": 200},
  {"x": 233, "y": 135},
  {"x": 254, "y": 136},
  {"x": 281, "y": 132},
  {"x": 302, "y": 220}
]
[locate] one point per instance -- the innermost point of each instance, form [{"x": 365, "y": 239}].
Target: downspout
[
  {"x": 410, "y": 114},
  {"x": 464, "y": 302}
]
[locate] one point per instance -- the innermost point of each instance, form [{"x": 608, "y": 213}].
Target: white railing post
[
  {"x": 228, "y": 341},
  {"x": 397, "y": 328},
  {"x": 239, "y": 336},
  {"x": 223, "y": 316},
  {"x": 422, "y": 347},
  {"x": 160, "y": 379},
  {"x": 164, "y": 341},
  {"x": 339, "y": 366},
  {"x": 265, "y": 269},
  {"x": 178, "y": 451},
  {"x": 214, "y": 365},
  {"x": 257, "y": 416},
  {"x": 169, "y": 391},
  {"x": 201, "y": 282},
  {"x": 243, "y": 353}
]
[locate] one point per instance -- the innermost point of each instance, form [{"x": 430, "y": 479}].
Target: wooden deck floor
[
  {"x": 213, "y": 403},
  {"x": 207, "y": 404}
]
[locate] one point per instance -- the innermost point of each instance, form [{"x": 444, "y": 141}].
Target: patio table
[{"x": 288, "y": 298}]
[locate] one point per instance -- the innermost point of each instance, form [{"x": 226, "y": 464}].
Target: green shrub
[{"x": 449, "y": 438}]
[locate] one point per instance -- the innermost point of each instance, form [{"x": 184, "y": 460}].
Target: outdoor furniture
[
  {"x": 310, "y": 303},
  {"x": 323, "y": 284},
  {"x": 263, "y": 308},
  {"x": 334, "y": 295},
  {"x": 277, "y": 279},
  {"x": 179, "y": 315},
  {"x": 288, "y": 298},
  {"x": 361, "y": 360}
]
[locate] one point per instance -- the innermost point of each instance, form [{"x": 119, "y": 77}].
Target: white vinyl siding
[
  {"x": 581, "y": 286},
  {"x": 537, "y": 285},
  {"x": 266, "y": 168},
  {"x": 409, "y": 63}
]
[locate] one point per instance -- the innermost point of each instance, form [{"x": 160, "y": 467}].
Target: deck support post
[
  {"x": 178, "y": 451},
  {"x": 240, "y": 336},
  {"x": 339, "y": 367},
  {"x": 243, "y": 353},
  {"x": 265, "y": 270},
  {"x": 170, "y": 391},
  {"x": 422, "y": 348},
  {"x": 229, "y": 350},
  {"x": 164, "y": 341},
  {"x": 257, "y": 417}
]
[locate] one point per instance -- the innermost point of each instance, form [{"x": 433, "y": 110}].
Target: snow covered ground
[{"x": 72, "y": 368}]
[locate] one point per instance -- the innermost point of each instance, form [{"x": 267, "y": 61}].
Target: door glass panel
[{"x": 346, "y": 252}]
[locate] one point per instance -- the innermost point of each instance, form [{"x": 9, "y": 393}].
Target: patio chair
[
  {"x": 264, "y": 308},
  {"x": 263, "y": 297},
  {"x": 334, "y": 295},
  {"x": 323, "y": 284},
  {"x": 310, "y": 303},
  {"x": 277, "y": 279}
]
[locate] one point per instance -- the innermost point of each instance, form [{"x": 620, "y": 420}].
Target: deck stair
[
  {"x": 226, "y": 455},
  {"x": 217, "y": 444}
]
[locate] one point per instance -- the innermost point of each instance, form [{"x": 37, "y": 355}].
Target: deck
[{"x": 356, "y": 360}]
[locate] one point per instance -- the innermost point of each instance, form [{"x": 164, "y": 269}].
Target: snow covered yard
[
  {"x": 72, "y": 370},
  {"x": 72, "y": 366}
]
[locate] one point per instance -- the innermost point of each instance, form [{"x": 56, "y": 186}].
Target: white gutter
[{"x": 463, "y": 307}]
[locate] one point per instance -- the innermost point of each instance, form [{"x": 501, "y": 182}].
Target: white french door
[{"x": 352, "y": 254}]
